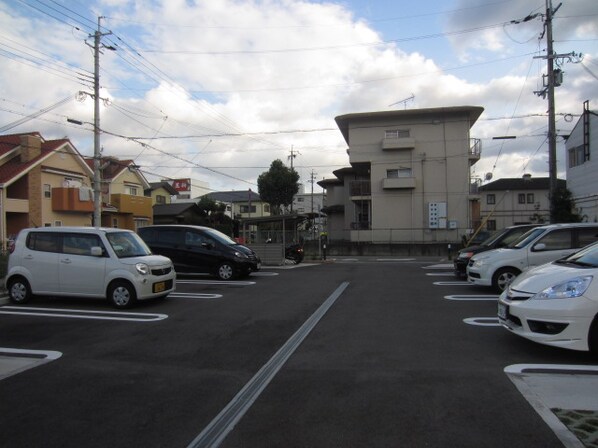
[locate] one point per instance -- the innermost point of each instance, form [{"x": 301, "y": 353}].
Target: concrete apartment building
[
  {"x": 42, "y": 183},
  {"x": 409, "y": 180},
  {"x": 582, "y": 164}
]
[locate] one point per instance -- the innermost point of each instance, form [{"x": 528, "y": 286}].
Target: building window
[
  {"x": 47, "y": 191},
  {"x": 530, "y": 198},
  {"x": 521, "y": 198},
  {"x": 246, "y": 209},
  {"x": 577, "y": 156},
  {"x": 491, "y": 199},
  {"x": 160, "y": 199},
  {"x": 131, "y": 190},
  {"x": 398, "y": 173},
  {"x": 300, "y": 199},
  {"x": 115, "y": 223},
  {"x": 266, "y": 208},
  {"x": 397, "y": 133},
  {"x": 491, "y": 225},
  {"x": 57, "y": 223}
]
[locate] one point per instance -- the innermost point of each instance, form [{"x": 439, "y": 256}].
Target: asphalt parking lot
[{"x": 355, "y": 352}]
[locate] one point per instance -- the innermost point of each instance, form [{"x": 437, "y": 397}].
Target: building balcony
[
  {"x": 72, "y": 200},
  {"x": 360, "y": 188},
  {"x": 475, "y": 150},
  {"x": 389, "y": 144},
  {"x": 398, "y": 183},
  {"x": 16, "y": 205},
  {"x": 135, "y": 205}
]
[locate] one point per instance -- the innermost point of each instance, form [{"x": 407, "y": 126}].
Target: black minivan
[{"x": 198, "y": 249}]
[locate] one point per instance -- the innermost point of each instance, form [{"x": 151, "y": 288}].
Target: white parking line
[
  {"x": 264, "y": 274},
  {"x": 215, "y": 282},
  {"x": 454, "y": 283},
  {"x": 482, "y": 321},
  {"x": 440, "y": 274},
  {"x": 15, "y": 360},
  {"x": 395, "y": 259},
  {"x": 439, "y": 266},
  {"x": 193, "y": 295},
  {"x": 472, "y": 297},
  {"x": 82, "y": 314},
  {"x": 550, "y": 386}
]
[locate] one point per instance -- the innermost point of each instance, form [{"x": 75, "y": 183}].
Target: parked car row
[
  {"x": 547, "y": 280},
  {"x": 118, "y": 264}
]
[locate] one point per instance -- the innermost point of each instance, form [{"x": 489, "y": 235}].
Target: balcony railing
[
  {"x": 136, "y": 205},
  {"x": 360, "y": 188}
]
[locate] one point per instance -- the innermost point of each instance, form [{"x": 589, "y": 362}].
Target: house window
[
  {"x": 47, "y": 191},
  {"x": 131, "y": 190},
  {"x": 57, "y": 223},
  {"x": 491, "y": 225},
  {"x": 397, "y": 133},
  {"x": 115, "y": 223},
  {"x": 530, "y": 198},
  {"x": 521, "y": 198},
  {"x": 491, "y": 199},
  {"x": 160, "y": 199},
  {"x": 246, "y": 209},
  {"x": 266, "y": 208},
  {"x": 300, "y": 199}
]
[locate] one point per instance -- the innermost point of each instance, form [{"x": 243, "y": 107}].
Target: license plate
[
  {"x": 503, "y": 311},
  {"x": 159, "y": 287}
]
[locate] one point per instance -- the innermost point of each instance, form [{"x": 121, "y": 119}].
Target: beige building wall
[
  {"x": 435, "y": 153},
  {"x": 58, "y": 171}
]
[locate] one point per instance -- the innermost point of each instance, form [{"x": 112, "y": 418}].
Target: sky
[{"x": 215, "y": 90}]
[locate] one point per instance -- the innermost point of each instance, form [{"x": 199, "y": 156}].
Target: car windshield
[
  {"x": 526, "y": 238},
  {"x": 220, "y": 237},
  {"x": 492, "y": 238},
  {"x": 588, "y": 256},
  {"x": 127, "y": 244}
]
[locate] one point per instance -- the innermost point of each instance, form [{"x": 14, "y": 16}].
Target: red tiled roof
[{"x": 13, "y": 167}]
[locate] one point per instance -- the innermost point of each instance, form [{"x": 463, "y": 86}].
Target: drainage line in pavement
[{"x": 213, "y": 434}]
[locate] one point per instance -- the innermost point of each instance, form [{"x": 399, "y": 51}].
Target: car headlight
[
  {"x": 240, "y": 255},
  {"x": 572, "y": 288},
  {"x": 142, "y": 268}
]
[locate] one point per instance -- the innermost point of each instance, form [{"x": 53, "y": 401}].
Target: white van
[
  {"x": 498, "y": 267},
  {"x": 86, "y": 262}
]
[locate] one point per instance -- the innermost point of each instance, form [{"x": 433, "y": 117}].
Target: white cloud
[{"x": 234, "y": 77}]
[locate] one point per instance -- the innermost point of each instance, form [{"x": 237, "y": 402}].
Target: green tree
[
  {"x": 563, "y": 206},
  {"x": 277, "y": 186}
]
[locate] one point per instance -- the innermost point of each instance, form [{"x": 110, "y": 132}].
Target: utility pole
[
  {"x": 291, "y": 157},
  {"x": 551, "y": 110},
  {"x": 554, "y": 78},
  {"x": 97, "y": 190}
]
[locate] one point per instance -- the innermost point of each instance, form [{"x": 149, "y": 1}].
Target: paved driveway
[{"x": 352, "y": 353}]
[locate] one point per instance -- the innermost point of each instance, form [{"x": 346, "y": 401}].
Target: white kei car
[{"x": 556, "y": 303}]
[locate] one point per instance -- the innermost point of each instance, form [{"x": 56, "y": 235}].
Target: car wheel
[
  {"x": 122, "y": 294},
  {"x": 19, "y": 290},
  {"x": 225, "y": 271},
  {"x": 503, "y": 277},
  {"x": 593, "y": 336}
]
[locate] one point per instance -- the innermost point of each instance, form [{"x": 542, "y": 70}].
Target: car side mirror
[
  {"x": 539, "y": 247},
  {"x": 96, "y": 251}
]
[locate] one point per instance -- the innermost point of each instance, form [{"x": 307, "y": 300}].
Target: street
[{"x": 351, "y": 353}]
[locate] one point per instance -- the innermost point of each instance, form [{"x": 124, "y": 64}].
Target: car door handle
[{"x": 66, "y": 260}]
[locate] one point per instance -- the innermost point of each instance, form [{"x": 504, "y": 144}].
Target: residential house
[
  {"x": 124, "y": 204},
  {"x": 582, "y": 164},
  {"x": 409, "y": 178},
  {"x": 42, "y": 183},
  {"x": 177, "y": 213},
  {"x": 241, "y": 204},
  {"x": 511, "y": 201},
  {"x": 161, "y": 192}
]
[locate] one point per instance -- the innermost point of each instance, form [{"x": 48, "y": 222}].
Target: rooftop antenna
[{"x": 411, "y": 98}]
